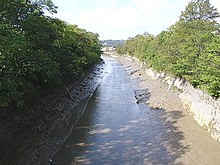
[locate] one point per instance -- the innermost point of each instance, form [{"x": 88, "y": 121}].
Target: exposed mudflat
[
  {"x": 29, "y": 138},
  {"x": 129, "y": 119},
  {"x": 119, "y": 128},
  {"x": 201, "y": 147}
]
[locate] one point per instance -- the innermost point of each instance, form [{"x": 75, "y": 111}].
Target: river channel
[{"x": 115, "y": 129}]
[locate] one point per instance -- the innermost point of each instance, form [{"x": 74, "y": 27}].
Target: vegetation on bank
[
  {"x": 188, "y": 49},
  {"x": 37, "y": 51}
]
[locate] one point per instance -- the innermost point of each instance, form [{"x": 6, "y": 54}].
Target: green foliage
[
  {"x": 199, "y": 10},
  {"x": 189, "y": 49},
  {"x": 209, "y": 68},
  {"x": 37, "y": 51}
]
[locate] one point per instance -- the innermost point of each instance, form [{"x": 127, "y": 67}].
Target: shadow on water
[{"x": 151, "y": 137}]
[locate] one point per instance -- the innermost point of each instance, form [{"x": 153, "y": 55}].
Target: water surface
[{"x": 116, "y": 130}]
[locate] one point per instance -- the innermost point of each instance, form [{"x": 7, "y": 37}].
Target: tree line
[
  {"x": 188, "y": 49},
  {"x": 38, "y": 51}
]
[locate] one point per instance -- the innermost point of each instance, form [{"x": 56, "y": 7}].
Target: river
[{"x": 116, "y": 130}]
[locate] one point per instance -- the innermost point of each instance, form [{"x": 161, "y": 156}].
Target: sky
[{"x": 121, "y": 19}]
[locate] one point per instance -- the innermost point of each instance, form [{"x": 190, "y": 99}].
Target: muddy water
[{"x": 117, "y": 130}]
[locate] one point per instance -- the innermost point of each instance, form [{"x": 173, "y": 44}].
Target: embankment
[
  {"x": 33, "y": 137},
  {"x": 204, "y": 109}
]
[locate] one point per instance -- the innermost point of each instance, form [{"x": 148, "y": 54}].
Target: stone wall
[{"x": 204, "y": 109}]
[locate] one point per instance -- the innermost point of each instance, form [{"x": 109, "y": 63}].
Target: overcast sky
[{"x": 120, "y": 19}]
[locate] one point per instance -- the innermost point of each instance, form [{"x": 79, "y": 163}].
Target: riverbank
[
  {"x": 33, "y": 137},
  {"x": 203, "y": 149},
  {"x": 201, "y": 106}
]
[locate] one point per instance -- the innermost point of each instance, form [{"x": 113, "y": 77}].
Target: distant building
[
  {"x": 111, "y": 48},
  {"x": 108, "y": 48},
  {"x": 104, "y": 48}
]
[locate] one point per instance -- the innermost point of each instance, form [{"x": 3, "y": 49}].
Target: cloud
[
  {"x": 104, "y": 2},
  {"x": 108, "y": 21},
  {"x": 216, "y": 3},
  {"x": 109, "y": 18},
  {"x": 120, "y": 19},
  {"x": 134, "y": 17}
]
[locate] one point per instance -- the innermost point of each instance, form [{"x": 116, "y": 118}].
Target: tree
[
  {"x": 189, "y": 49},
  {"x": 209, "y": 67},
  {"x": 199, "y": 10},
  {"x": 191, "y": 35},
  {"x": 15, "y": 12},
  {"x": 37, "y": 52}
]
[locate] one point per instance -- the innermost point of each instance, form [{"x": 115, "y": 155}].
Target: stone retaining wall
[{"x": 204, "y": 109}]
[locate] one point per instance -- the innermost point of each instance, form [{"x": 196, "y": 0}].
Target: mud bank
[
  {"x": 201, "y": 106},
  {"x": 33, "y": 137},
  {"x": 201, "y": 147}
]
